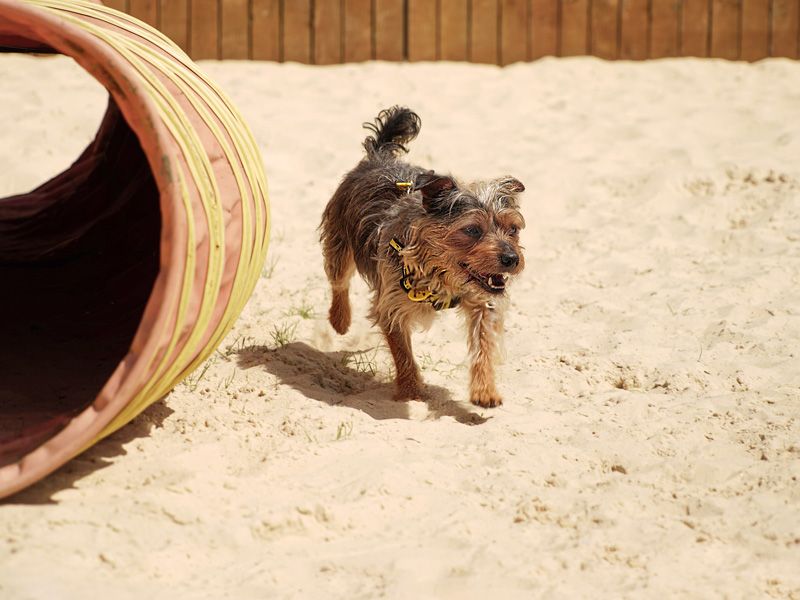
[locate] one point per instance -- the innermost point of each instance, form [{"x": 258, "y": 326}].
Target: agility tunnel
[{"x": 119, "y": 276}]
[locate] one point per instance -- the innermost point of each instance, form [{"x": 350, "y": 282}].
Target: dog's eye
[
  {"x": 473, "y": 231},
  {"x": 513, "y": 230}
]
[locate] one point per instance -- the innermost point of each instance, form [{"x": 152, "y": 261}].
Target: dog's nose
[{"x": 509, "y": 259}]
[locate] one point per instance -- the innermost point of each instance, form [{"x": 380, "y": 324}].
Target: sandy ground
[{"x": 650, "y": 441}]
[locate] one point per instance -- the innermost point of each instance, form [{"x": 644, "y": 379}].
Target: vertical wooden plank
[
  {"x": 422, "y": 30},
  {"x": 203, "y": 41},
  {"x": 513, "y": 31},
  {"x": 784, "y": 28},
  {"x": 694, "y": 28},
  {"x": 266, "y": 29},
  {"x": 574, "y": 27},
  {"x": 234, "y": 29},
  {"x": 604, "y": 28},
  {"x": 358, "y": 30},
  {"x": 453, "y": 29},
  {"x": 327, "y": 32},
  {"x": 389, "y": 30},
  {"x": 725, "y": 29},
  {"x": 483, "y": 28},
  {"x": 634, "y": 25},
  {"x": 543, "y": 28},
  {"x": 175, "y": 21},
  {"x": 664, "y": 28},
  {"x": 144, "y": 10},
  {"x": 297, "y": 30},
  {"x": 120, "y": 5},
  {"x": 755, "y": 29}
]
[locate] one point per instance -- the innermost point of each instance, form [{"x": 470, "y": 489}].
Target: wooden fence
[{"x": 486, "y": 31}]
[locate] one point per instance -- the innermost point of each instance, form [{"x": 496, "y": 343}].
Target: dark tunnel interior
[{"x": 78, "y": 259}]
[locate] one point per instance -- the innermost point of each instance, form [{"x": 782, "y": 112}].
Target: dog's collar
[{"x": 420, "y": 294}]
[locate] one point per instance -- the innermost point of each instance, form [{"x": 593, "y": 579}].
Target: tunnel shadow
[
  {"x": 340, "y": 379},
  {"x": 96, "y": 458}
]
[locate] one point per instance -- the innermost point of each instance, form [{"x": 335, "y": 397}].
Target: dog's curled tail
[{"x": 392, "y": 128}]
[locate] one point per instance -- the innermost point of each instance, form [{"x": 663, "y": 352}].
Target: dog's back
[{"x": 349, "y": 231}]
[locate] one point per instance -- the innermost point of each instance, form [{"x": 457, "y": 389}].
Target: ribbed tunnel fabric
[{"x": 122, "y": 274}]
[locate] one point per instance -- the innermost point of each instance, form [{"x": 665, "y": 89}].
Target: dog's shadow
[{"x": 341, "y": 379}]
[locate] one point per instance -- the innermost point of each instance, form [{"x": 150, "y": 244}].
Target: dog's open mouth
[{"x": 494, "y": 283}]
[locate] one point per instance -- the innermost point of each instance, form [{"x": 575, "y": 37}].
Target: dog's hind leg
[{"x": 339, "y": 266}]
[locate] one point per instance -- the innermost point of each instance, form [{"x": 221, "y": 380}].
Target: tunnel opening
[
  {"x": 119, "y": 276},
  {"x": 79, "y": 256}
]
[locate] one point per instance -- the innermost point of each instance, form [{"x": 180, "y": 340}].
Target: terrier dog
[{"x": 424, "y": 243}]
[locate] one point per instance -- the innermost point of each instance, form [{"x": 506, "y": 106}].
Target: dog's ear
[
  {"x": 434, "y": 189},
  {"x": 506, "y": 190},
  {"x": 510, "y": 185}
]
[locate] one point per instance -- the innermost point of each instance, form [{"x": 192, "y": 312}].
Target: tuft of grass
[
  {"x": 194, "y": 379},
  {"x": 304, "y": 311},
  {"x": 269, "y": 269},
  {"x": 426, "y": 360},
  {"x": 439, "y": 365},
  {"x": 227, "y": 381},
  {"x": 363, "y": 361},
  {"x": 239, "y": 344},
  {"x": 344, "y": 430},
  {"x": 283, "y": 334}
]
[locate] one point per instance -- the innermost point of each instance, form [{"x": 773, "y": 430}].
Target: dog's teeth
[
  {"x": 504, "y": 276},
  {"x": 497, "y": 282}
]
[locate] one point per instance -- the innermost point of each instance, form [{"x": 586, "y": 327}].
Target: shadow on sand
[
  {"x": 94, "y": 459},
  {"x": 329, "y": 378},
  {"x": 323, "y": 376}
]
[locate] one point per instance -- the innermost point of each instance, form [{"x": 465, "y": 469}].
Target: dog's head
[{"x": 472, "y": 231}]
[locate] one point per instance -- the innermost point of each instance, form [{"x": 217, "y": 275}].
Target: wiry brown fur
[{"x": 459, "y": 240}]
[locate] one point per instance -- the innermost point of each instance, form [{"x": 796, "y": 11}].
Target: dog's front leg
[
  {"x": 485, "y": 327},
  {"x": 408, "y": 380}
]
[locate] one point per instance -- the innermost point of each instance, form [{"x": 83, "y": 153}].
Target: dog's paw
[
  {"x": 339, "y": 326},
  {"x": 486, "y": 400},
  {"x": 408, "y": 392},
  {"x": 339, "y": 313},
  {"x": 340, "y": 321}
]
